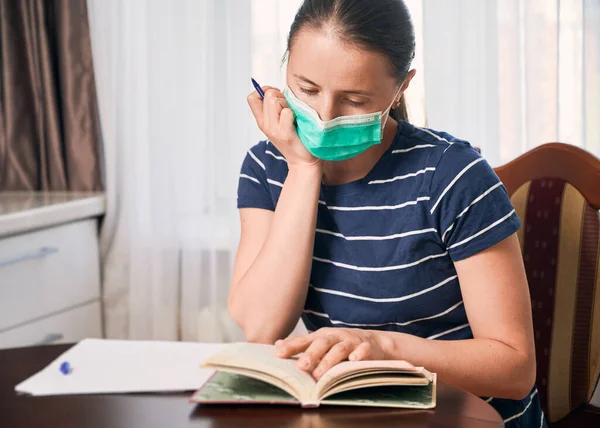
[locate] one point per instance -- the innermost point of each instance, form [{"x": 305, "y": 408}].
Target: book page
[
  {"x": 353, "y": 369},
  {"x": 261, "y": 358},
  {"x": 395, "y": 379},
  {"x": 403, "y": 377}
]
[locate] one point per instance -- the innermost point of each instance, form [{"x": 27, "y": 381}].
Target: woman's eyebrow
[
  {"x": 357, "y": 92},
  {"x": 310, "y": 82},
  {"x": 349, "y": 91}
]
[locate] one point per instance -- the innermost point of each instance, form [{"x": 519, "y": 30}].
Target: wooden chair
[{"x": 555, "y": 189}]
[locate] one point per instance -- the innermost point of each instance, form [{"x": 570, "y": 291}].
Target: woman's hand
[
  {"x": 326, "y": 347},
  {"x": 276, "y": 120}
]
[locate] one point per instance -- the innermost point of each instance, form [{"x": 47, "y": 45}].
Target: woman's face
[{"x": 339, "y": 79}]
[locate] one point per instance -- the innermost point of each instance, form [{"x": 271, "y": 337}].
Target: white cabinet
[
  {"x": 47, "y": 271},
  {"x": 49, "y": 268},
  {"x": 66, "y": 327}
]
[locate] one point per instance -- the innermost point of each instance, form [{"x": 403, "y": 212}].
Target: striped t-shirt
[{"x": 385, "y": 245}]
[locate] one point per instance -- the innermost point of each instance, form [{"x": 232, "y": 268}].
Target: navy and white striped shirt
[{"x": 385, "y": 245}]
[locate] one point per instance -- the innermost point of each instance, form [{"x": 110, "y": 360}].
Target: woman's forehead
[{"x": 326, "y": 60}]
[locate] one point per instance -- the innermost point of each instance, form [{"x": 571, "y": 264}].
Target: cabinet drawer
[
  {"x": 46, "y": 271},
  {"x": 66, "y": 327}
]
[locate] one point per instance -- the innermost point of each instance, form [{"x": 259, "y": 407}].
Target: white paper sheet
[{"x": 120, "y": 366}]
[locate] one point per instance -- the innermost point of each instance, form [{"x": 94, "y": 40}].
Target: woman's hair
[{"x": 383, "y": 26}]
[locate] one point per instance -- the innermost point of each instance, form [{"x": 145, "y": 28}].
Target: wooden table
[{"x": 456, "y": 408}]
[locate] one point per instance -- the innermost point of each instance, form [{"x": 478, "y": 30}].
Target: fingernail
[
  {"x": 304, "y": 363},
  {"x": 280, "y": 352},
  {"x": 278, "y": 342},
  {"x": 353, "y": 357}
]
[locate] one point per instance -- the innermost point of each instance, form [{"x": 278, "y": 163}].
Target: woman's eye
[
  {"x": 309, "y": 91},
  {"x": 356, "y": 103}
]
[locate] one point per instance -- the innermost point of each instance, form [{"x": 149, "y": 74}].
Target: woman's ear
[{"x": 407, "y": 80}]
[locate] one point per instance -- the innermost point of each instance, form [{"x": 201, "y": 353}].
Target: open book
[{"x": 251, "y": 373}]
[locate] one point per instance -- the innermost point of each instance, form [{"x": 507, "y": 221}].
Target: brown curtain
[{"x": 49, "y": 130}]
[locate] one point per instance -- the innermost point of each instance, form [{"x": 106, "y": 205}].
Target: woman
[{"x": 390, "y": 241}]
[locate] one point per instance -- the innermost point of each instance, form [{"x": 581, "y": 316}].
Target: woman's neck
[{"x": 342, "y": 172}]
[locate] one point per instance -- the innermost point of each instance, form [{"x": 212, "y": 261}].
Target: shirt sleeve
[
  {"x": 469, "y": 204},
  {"x": 253, "y": 188}
]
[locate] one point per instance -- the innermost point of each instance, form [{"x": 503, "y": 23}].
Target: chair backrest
[{"x": 555, "y": 189}]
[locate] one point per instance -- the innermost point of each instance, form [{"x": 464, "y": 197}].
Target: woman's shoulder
[
  {"x": 425, "y": 134},
  {"x": 261, "y": 177},
  {"x": 467, "y": 202},
  {"x": 267, "y": 154},
  {"x": 441, "y": 148},
  {"x": 265, "y": 163}
]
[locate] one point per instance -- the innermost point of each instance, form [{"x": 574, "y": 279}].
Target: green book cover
[{"x": 224, "y": 388}]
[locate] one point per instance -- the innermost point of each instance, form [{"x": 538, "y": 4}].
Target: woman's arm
[
  {"x": 498, "y": 362},
  {"x": 272, "y": 267}
]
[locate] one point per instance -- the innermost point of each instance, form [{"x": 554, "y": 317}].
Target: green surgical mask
[{"x": 338, "y": 139}]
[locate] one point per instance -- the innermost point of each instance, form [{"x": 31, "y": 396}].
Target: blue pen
[
  {"x": 65, "y": 368},
  {"x": 258, "y": 89}
]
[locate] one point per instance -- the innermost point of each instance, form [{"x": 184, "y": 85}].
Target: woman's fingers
[
  {"x": 314, "y": 353},
  {"x": 257, "y": 105},
  {"x": 272, "y": 106},
  {"x": 324, "y": 349},
  {"x": 286, "y": 120},
  {"x": 294, "y": 345},
  {"x": 277, "y": 121},
  {"x": 327, "y": 347},
  {"x": 362, "y": 352},
  {"x": 338, "y": 353}
]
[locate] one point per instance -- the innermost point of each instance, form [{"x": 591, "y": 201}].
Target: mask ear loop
[
  {"x": 392, "y": 105},
  {"x": 396, "y": 104}
]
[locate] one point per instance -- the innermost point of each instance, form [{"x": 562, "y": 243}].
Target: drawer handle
[
  {"x": 50, "y": 338},
  {"x": 42, "y": 252}
]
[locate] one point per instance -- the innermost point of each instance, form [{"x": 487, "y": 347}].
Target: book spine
[{"x": 191, "y": 399}]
